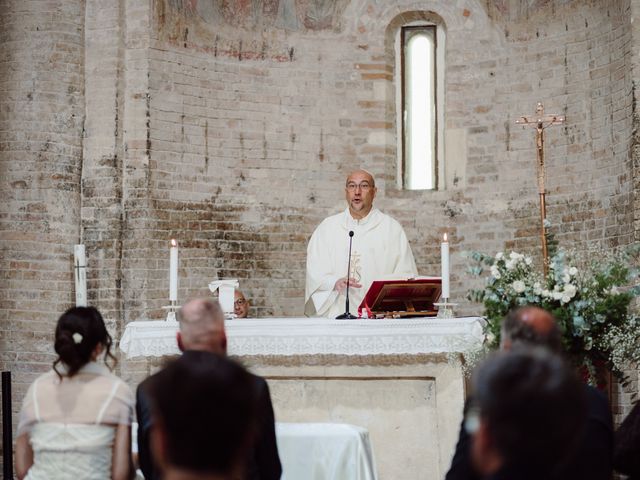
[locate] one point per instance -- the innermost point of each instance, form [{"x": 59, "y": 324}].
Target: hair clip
[{"x": 77, "y": 337}]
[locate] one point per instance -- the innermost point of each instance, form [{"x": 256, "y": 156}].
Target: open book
[{"x": 412, "y": 297}]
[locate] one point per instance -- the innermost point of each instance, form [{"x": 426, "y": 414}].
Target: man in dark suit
[
  {"x": 204, "y": 421},
  {"x": 533, "y": 326},
  {"x": 626, "y": 456},
  {"x": 527, "y": 411},
  {"x": 202, "y": 329}
]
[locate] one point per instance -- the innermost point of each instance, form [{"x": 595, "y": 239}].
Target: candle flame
[
  {"x": 445, "y": 237},
  {"x": 174, "y": 243}
]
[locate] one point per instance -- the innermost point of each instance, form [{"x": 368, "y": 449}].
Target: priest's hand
[{"x": 341, "y": 285}]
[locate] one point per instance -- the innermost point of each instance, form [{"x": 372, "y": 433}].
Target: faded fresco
[
  {"x": 516, "y": 10},
  {"x": 292, "y": 15},
  {"x": 213, "y": 26}
]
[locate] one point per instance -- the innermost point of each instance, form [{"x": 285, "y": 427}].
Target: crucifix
[{"x": 540, "y": 122}]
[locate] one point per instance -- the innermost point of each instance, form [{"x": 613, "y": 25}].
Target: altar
[{"x": 400, "y": 379}]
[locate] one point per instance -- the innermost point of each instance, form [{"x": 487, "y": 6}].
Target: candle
[
  {"x": 444, "y": 261},
  {"x": 173, "y": 271},
  {"x": 80, "y": 275}
]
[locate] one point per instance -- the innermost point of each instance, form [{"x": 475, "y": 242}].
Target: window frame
[{"x": 438, "y": 167}]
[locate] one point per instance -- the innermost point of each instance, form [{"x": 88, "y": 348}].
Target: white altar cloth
[
  {"x": 315, "y": 451},
  {"x": 317, "y": 336},
  {"x": 325, "y": 451}
]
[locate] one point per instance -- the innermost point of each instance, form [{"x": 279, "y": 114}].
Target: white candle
[
  {"x": 80, "y": 275},
  {"x": 173, "y": 271},
  {"x": 444, "y": 261}
]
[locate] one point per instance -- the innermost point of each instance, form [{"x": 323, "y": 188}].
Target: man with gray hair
[
  {"x": 527, "y": 412},
  {"x": 533, "y": 326},
  {"x": 202, "y": 329}
]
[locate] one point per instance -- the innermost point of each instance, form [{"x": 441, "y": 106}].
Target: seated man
[
  {"x": 527, "y": 413},
  {"x": 240, "y": 305},
  {"x": 533, "y": 326},
  {"x": 204, "y": 420},
  {"x": 202, "y": 329}
]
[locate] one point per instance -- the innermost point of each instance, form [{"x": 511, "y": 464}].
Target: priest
[{"x": 380, "y": 251}]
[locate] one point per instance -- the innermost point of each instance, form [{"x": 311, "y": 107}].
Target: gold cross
[{"x": 540, "y": 122}]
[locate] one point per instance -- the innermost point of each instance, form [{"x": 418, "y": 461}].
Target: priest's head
[
  {"x": 202, "y": 327},
  {"x": 360, "y": 191}
]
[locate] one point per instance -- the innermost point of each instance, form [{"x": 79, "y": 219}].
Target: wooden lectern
[{"x": 414, "y": 297}]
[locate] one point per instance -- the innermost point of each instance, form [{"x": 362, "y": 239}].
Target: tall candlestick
[
  {"x": 80, "y": 275},
  {"x": 444, "y": 261},
  {"x": 173, "y": 271}
]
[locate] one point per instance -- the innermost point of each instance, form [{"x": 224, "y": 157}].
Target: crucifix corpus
[{"x": 540, "y": 122}]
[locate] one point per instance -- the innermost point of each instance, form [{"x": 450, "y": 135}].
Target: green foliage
[{"x": 590, "y": 294}]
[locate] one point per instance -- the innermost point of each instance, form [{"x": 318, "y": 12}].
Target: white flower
[
  {"x": 490, "y": 338},
  {"x": 510, "y": 264},
  {"x": 565, "y": 298},
  {"x": 613, "y": 290},
  {"x": 557, "y": 295},
  {"x": 573, "y": 271},
  {"x": 566, "y": 278},
  {"x": 515, "y": 256},
  {"x": 499, "y": 255},
  {"x": 495, "y": 272},
  {"x": 77, "y": 337},
  {"x": 547, "y": 293},
  {"x": 570, "y": 290},
  {"x": 537, "y": 288},
  {"x": 518, "y": 286},
  {"x": 528, "y": 260}
]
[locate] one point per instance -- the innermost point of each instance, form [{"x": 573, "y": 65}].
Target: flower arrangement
[{"x": 590, "y": 294}]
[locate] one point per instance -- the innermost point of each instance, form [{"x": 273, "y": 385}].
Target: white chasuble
[{"x": 380, "y": 251}]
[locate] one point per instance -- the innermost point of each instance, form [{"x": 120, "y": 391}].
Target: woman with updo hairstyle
[{"x": 75, "y": 421}]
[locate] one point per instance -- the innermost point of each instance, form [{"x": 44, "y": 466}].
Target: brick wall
[
  {"x": 232, "y": 131},
  {"x": 41, "y": 120}
]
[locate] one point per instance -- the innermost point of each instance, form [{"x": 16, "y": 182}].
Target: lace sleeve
[
  {"x": 119, "y": 410},
  {"x": 28, "y": 412}
]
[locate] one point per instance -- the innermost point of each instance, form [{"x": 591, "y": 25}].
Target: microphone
[{"x": 347, "y": 314}]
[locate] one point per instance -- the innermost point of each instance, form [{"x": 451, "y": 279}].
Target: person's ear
[
  {"x": 179, "y": 340},
  {"x": 159, "y": 444},
  {"x": 223, "y": 342},
  {"x": 97, "y": 350},
  {"x": 485, "y": 458}
]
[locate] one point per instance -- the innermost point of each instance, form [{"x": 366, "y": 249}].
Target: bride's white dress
[
  {"x": 72, "y": 423},
  {"x": 73, "y": 452}
]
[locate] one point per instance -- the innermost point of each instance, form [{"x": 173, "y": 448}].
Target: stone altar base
[{"x": 411, "y": 404}]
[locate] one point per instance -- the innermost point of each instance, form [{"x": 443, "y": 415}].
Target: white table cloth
[
  {"x": 317, "y": 336},
  {"x": 315, "y": 451},
  {"x": 325, "y": 451}
]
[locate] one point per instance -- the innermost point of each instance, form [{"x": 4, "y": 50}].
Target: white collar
[
  {"x": 362, "y": 221},
  {"x": 90, "y": 367}
]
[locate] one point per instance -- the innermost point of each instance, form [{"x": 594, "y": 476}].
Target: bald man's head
[
  {"x": 531, "y": 326},
  {"x": 360, "y": 190},
  {"x": 202, "y": 327}
]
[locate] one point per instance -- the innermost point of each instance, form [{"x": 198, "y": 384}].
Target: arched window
[{"x": 420, "y": 55}]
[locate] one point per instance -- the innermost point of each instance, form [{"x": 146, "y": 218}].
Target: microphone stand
[{"x": 348, "y": 315}]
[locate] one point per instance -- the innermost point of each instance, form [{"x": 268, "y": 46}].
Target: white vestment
[{"x": 380, "y": 251}]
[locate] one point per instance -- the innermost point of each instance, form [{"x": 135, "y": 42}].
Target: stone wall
[{"x": 128, "y": 123}]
